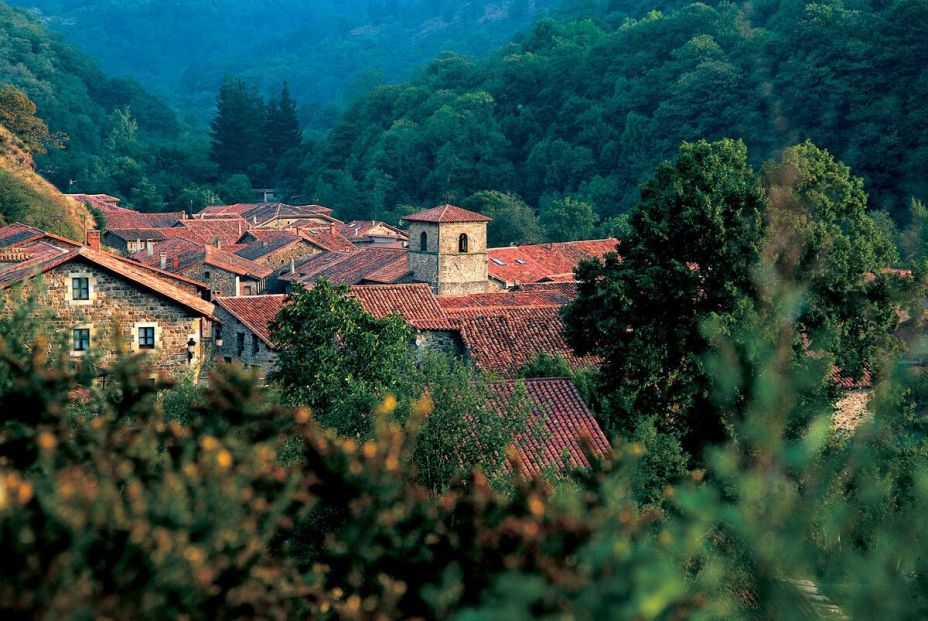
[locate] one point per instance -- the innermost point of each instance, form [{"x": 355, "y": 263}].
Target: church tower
[{"x": 448, "y": 249}]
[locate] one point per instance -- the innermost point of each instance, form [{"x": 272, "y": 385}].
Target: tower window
[
  {"x": 423, "y": 242},
  {"x": 462, "y": 243}
]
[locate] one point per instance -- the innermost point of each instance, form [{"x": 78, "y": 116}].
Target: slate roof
[
  {"x": 128, "y": 219},
  {"x": 130, "y": 270},
  {"x": 447, "y": 214},
  {"x": 255, "y": 312},
  {"x": 414, "y": 302},
  {"x": 371, "y": 265},
  {"x": 503, "y": 343},
  {"x": 527, "y": 264},
  {"x": 560, "y": 420}
]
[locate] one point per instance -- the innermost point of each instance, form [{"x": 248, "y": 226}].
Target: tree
[
  {"x": 821, "y": 235},
  {"x": 336, "y": 358},
  {"x": 567, "y": 219},
  {"x": 514, "y": 222},
  {"x": 17, "y": 114},
  {"x": 237, "y": 127},
  {"x": 695, "y": 241},
  {"x": 282, "y": 133}
]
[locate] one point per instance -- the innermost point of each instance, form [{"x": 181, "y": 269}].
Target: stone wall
[
  {"x": 279, "y": 261},
  {"x": 447, "y": 270},
  {"x": 235, "y": 333},
  {"x": 117, "y": 308},
  {"x": 226, "y": 283}
]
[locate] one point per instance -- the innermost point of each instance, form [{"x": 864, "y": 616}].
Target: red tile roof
[
  {"x": 372, "y": 265},
  {"x": 130, "y": 270},
  {"x": 560, "y": 421},
  {"x": 128, "y": 219},
  {"x": 262, "y": 213},
  {"x": 505, "y": 342},
  {"x": 327, "y": 238},
  {"x": 103, "y": 202},
  {"x": 183, "y": 254},
  {"x": 261, "y": 242},
  {"x": 255, "y": 312},
  {"x": 359, "y": 231},
  {"x": 143, "y": 234},
  {"x": 446, "y": 214},
  {"x": 552, "y": 295},
  {"x": 413, "y": 302},
  {"x": 18, "y": 234},
  {"x": 527, "y": 264},
  {"x": 207, "y": 231}
]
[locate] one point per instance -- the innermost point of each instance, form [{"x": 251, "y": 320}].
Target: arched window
[
  {"x": 423, "y": 242},
  {"x": 462, "y": 243}
]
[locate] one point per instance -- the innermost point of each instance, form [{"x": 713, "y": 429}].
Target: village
[{"x": 191, "y": 291}]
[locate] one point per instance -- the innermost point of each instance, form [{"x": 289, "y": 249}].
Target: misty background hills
[{"x": 181, "y": 50}]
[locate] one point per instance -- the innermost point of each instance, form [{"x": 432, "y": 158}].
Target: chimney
[
  {"x": 149, "y": 247},
  {"x": 254, "y": 220},
  {"x": 176, "y": 263},
  {"x": 164, "y": 260},
  {"x": 218, "y": 243},
  {"x": 93, "y": 239},
  {"x": 292, "y": 266},
  {"x": 332, "y": 230}
]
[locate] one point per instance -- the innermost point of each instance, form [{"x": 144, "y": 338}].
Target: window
[
  {"x": 246, "y": 290},
  {"x": 146, "y": 337},
  {"x": 80, "y": 288},
  {"x": 206, "y": 275},
  {"x": 423, "y": 242},
  {"x": 255, "y": 345},
  {"x": 462, "y": 243},
  {"x": 241, "y": 343},
  {"x": 81, "y": 339}
]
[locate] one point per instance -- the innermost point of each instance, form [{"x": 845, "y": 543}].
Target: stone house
[
  {"x": 281, "y": 250},
  {"x": 130, "y": 241},
  {"x": 244, "y": 335},
  {"x": 448, "y": 250},
  {"x": 98, "y": 300},
  {"x": 364, "y": 232},
  {"x": 224, "y": 273}
]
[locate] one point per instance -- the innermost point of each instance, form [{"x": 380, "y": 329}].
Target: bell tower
[{"x": 448, "y": 249}]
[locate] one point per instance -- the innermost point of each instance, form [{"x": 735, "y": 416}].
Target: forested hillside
[
  {"x": 585, "y": 108},
  {"x": 181, "y": 50}
]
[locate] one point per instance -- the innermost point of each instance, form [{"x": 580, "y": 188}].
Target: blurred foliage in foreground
[{"x": 112, "y": 508}]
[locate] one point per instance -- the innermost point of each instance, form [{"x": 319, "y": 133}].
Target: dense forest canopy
[
  {"x": 585, "y": 107},
  {"x": 181, "y": 50}
]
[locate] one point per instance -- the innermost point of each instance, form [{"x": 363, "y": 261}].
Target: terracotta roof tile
[
  {"x": 359, "y": 231},
  {"x": 143, "y": 234},
  {"x": 372, "y": 265},
  {"x": 17, "y": 234},
  {"x": 446, "y": 214},
  {"x": 262, "y": 213},
  {"x": 207, "y": 231},
  {"x": 503, "y": 343},
  {"x": 128, "y": 219},
  {"x": 103, "y": 202},
  {"x": 255, "y": 312},
  {"x": 535, "y": 296},
  {"x": 560, "y": 421},
  {"x": 527, "y": 264},
  {"x": 183, "y": 254},
  {"x": 413, "y": 302},
  {"x": 327, "y": 238},
  {"x": 262, "y": 242}
]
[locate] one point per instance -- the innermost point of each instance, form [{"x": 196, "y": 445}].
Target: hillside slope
[
  {"x": 181, "y": 50},
  {"x": 28, "y": 198}
]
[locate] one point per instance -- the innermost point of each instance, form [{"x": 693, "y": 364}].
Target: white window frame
[
  {"x": 135, "y": 335},
  {"x": 75, "y": 353},
  {"x": 91, "y": 289}
]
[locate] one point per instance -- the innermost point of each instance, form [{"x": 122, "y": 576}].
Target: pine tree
[
  {"x": 282, "y": 134},
  {"x": 237, "y": 127}
]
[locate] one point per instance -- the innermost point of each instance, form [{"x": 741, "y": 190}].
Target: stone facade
[
  {"x": 240, "y": 344},
  {"x": 223, "y": 282},
  {"x": 442, "y": 263},
  {"x": 116, "y": 311},
  {"x": 279, "y": 261}
]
